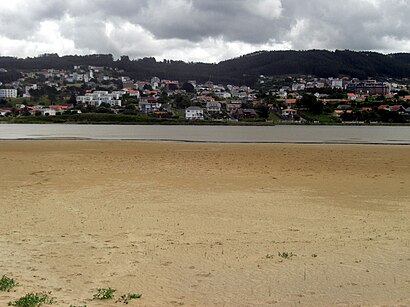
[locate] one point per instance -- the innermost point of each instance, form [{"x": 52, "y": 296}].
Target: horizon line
[{"x": 157, "y": 59}]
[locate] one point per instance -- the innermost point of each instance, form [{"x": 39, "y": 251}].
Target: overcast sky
[{"x": 200, "y": 30}]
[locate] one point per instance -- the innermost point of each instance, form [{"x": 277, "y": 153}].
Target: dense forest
[{"x": 242, "y": 70}]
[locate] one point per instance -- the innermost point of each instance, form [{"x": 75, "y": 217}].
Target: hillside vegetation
[{"x": 242, "y": 70}]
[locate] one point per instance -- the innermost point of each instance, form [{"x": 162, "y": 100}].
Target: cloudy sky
[{"x": 200, "y": 30}]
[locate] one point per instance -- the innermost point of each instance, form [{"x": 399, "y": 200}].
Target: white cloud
[
  {"x": 196, "y": 30},
  {"x": 268, "y": 9}
]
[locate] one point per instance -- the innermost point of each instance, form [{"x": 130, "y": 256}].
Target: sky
[{"x": 200, "y": 30}]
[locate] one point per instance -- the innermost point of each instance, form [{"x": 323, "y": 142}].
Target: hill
[{"x": 242, "y": 70}]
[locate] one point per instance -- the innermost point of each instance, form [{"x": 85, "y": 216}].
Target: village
[{"x": 286, "y": 100}]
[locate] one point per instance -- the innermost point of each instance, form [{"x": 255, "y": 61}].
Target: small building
[
  {"x": 338, "y": 113},
  {"x": 289, "y": 112},
  {"x": 5, "y": 112},
  {"x": 213, "y": 107},
  {"x": 290, "y": 103},
  {"x": 384, "y": 107},
  {"x": 352, "y": 96},
  {"x": 194, "y": 113},
  {"x": 298, "y": 87},
  {"x": 224, "y": 95},
  {"x": 233, "y": 106},
  {"x": 132, "y": 93},
  {"x": 344, "y": 107},
  {"x": 246, "y": 114},
  {"x": 397, "y": 108},
  {"x": 366, "y": 109},
  {"x": 336, "y": 83},
  {"x": 149, "y": 107}
]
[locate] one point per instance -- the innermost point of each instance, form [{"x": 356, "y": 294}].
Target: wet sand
[{"x": 203, "y": 224}]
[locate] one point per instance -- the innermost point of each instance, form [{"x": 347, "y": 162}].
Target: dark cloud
[{"x": 201, "y": 30}]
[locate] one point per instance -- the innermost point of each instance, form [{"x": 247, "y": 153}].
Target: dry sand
[{"x": 202, "y": 224}]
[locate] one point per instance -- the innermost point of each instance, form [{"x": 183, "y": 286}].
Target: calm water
[{"x": 276, "y": 134}]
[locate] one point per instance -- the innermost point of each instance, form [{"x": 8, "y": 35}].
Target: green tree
[
  {"x": 401, "y": 93},
  {"x": 188, "y": 87},
  {"x": 164, "y": 99},
  {"x": 247, "y": 105},
  {"x": 312, "y": 104},
  {"x": 262, "y": 110},
  {"x": 131, "y": 109},
  {"x": 51, "y": 92},
  {"x": 35, "y": 94},
  {"x": 73, "y": 100},
  {"x": 182, "y": 101}
]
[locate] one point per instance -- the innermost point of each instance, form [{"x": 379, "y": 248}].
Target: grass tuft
[
  {"x": 286, "y": 255},
  {"x": 7, "y": 283},
  {"x": 104, "y": 294},
  {"x": 127, "y": 297},
  {"x": 33, "y": 300}
]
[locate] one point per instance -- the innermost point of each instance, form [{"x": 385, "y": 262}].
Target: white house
[
  {"x": 289, "y": 112},
  {"x": 98, "y": 97},
  {"x": 336, "y": 83},
  {"x": 132, "y": 93},
  {"x": 298, "y": 87},
  {"x": 48, "y": 112},
  {"x": 5, "y": 112},
  {"x": 148, "y": 107},
  {"x": 352, "y": 97},
  {"x": 194, "y": 113},
  {"x": 213, "y": 107},
  {"x": 8, "y": 93},
  {"x": 224, "y": 95},
  {"x": 155, "y": 82}
]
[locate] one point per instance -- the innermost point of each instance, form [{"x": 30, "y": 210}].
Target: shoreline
[
  {"x": 82, "y": 139},
  {"x": 206, "y": 124}
]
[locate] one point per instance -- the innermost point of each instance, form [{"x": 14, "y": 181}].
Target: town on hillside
[{"x": 279, "y": 100}]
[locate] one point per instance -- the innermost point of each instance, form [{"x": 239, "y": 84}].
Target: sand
[{"x": 203, "y": 224}]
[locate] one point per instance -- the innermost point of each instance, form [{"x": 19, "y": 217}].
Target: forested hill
[{"x": 244, "y": 69}]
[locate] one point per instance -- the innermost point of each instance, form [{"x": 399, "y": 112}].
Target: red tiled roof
[{"x": 367, "y": 109}]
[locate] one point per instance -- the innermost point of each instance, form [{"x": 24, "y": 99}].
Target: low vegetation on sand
[
  {"x": 128, "y": 297},
  {"x": 44, "y": 298},
  {"x": 7, "y": 283},
  {"x": 33, "y": 300},
  {"x": 108, "y": 293},
  {"x": 286, "y": 255},
  {"x": 104, "y": 294}
]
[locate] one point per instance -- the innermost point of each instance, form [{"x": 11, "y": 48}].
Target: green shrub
[
  {"x": 104, "y": 294},
  {"x": 33, "y": 300},
  {"x": 127, "y": 297},
  {"x": 6, "y": 283}
]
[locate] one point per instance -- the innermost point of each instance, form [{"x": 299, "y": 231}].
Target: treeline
[{"x": 242, "y": 70}]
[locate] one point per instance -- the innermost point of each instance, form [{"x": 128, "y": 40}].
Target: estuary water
[{"x": 223, "y": 134}]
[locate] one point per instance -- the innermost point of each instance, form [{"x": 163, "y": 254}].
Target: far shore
[
  {"x": 119, "y": 119},
  {"x": 45, "y": 139}
]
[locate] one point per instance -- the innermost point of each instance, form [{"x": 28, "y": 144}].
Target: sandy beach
[{"x": 204, "y": 224}]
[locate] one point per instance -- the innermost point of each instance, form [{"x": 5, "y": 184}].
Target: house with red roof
[
  {"x": 384, "y": 107},
  {"x": 397, "y": 108},
  {"x": 289, "y": 112}
]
